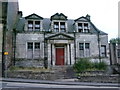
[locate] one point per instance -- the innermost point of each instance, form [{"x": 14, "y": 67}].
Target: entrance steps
[{"x": 63, "y": 72}]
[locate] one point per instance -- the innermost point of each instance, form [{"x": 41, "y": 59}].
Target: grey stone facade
[{"x": 58, "y": 40}]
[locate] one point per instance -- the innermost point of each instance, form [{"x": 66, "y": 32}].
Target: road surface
[{"x": 34, "y": 86}]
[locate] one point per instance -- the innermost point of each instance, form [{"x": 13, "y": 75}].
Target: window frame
[
  {"x": 58, "y": 27},
  {"x": 30, "y": 26},
  {"x": 30, "y": 47},
  {"x": 81, "y": 27},
  {"x": 104, "y": 54},
  {"x": 37, "y": 47},
  {"x": 85, "y": 50},
  {"x": 35, "y": 26}
]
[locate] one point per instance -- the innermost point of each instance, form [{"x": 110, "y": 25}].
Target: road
[{"x": 34, "y": 86}]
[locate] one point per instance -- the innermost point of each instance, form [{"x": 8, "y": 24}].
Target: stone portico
[{"x": 60, "y": 50}]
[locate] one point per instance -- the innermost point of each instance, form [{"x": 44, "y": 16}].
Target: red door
[{"x": 59, "y": 56}]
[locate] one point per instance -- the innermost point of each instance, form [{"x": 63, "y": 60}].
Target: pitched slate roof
[{"x": 70, "y": 24}]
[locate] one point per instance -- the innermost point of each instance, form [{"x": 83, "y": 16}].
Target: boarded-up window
[
  {"x": 81, "y": 48},
  {"x": 87, "y": 49},
  {"x": 84, "y": 49},
  {"x": 103, "y": 50},
  {"x": 33, "y": 50}
]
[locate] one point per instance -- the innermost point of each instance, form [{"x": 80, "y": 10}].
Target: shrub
[
  {"x": 85, "y": 64},
  {"x": 100, "y": 65},
  {"x": 82, "y": 65}
]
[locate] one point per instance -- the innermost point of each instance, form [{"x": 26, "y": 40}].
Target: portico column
[
  {"x": 49, "y": 55},
  {"x": 53, "y": 55},
  {"x": 72, "y": 54},
  {"x": 68, "y": 55}
]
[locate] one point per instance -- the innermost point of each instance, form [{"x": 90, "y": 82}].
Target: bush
[
  {"x": 100, "y": 65},
  {"x": 85, "y": 64},
  {"x": 82, "y": 65}
]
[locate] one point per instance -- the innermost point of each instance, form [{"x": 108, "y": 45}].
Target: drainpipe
[
  {"x": 14, "y": 45},
  {"x": 45, "y": 58},
  {"x": 99, "y": 46},
  {"x": 75, "y": 45}
]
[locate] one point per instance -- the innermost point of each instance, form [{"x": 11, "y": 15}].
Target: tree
[{"x": 115, "y": 40}]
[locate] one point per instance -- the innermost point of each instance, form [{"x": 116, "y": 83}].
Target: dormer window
[
  {"x": 33, "y": 25},
  {"x": 59, "y": 27},
  {"x": 56, "y": 26},
  {"x": 37, "y": 25},
  {"x": 30, "y": 25},
  {"x": 62, "y": 26},
  {"x": 83, "y": 27}
]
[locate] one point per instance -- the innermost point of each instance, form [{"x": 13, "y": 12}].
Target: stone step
[{"x": 63, "y": 72}]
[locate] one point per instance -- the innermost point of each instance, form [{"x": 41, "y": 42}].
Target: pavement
[{"x": 60, "y": 82}]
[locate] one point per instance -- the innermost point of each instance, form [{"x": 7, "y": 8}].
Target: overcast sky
[{"x": 104, "y": 13}]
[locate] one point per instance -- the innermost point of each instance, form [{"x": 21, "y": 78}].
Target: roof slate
[{"x": 70, "y": 23}]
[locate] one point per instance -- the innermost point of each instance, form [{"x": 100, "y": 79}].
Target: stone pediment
[
  {"x": 34, "y": 16},
  {"x": 60, "y": 36},
  {"x": 58, "y": 16},
  {"x": 82, "y": 19}
]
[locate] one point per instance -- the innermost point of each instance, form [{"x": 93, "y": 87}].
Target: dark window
[
  {"x": 86, "y": 25},
  {"x": 83, "y": 27},
  {"x": 37, "y": 25},
  {"x": 37, "y": 45},
  {"x": 30, "y": 25},
  {"x": 30, "y": 45},
  {"x": 87, "y": 45},
  {"x": 62, "y": 26},
  {"x": 56, "y": 26},
  {"x": 81, "y": 46},
  {"x": 80, "y": 27},
  {"x": 118, "y": 52}
]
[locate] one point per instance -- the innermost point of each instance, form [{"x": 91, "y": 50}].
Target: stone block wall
[
  {"x": 21, "y": 43},
  {"x": 29, "y": 63}
]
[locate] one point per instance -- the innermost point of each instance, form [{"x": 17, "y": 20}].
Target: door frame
[{"x": 56, "y": 55}]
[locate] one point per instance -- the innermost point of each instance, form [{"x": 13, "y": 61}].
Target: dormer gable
[
  {"x": 58, "y": 16},
  {"x": 84, "y": 19},
  {"x": 34, "y": 16},
  {"x": 83, "y": 24}
]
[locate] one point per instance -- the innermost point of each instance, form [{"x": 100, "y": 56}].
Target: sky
[{"x": 104, "y": 13}]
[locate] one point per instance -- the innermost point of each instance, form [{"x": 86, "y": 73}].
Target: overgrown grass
[{"x": 85, "y": 64}]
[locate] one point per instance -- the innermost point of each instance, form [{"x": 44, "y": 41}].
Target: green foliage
[
  {"x": 115, "y": 40},
  {"x": 100, "y": 65},
  {"x": 82, "y": 65},
  {"x": 85, "y": 64}
]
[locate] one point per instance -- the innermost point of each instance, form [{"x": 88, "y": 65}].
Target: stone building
[{"x": 58, "y": 41}]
